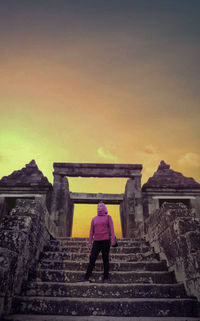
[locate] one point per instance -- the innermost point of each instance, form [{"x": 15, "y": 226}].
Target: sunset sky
[{"x": 100, "y": 82}]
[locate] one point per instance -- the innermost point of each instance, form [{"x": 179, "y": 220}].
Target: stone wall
[
  {"x": 23, "y": 234},
  {"x": 174, "y": 232}
]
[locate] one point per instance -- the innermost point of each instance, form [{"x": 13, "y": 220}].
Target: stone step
[
  {"x": 75, "y": 239},
  {"x": 107, "y": 307},
  {"x": 104, "y": 290},
  {"x": 115, "y": 276},
  {"x": 114, "y": 266},
  {"x": 79, "y": 256},
  {"x": 84, "y": 242},
  {"x": 60, "y": 256},
  {"x": 84, "y": 249},
  {"x": 121, "y": 243},
  {"x": 34, "y": 317}
]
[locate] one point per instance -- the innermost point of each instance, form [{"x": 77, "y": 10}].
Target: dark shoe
[{"x": 106, "y": 281}]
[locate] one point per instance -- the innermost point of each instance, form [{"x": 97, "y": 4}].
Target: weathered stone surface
[
  {"x": 3, "y": 208},
  {"x": 27, "y": 176},
  {"x": 60, "y": 256},
  {"x": 97, "y": 169},
  {"x": 135, "y": 272},
  {"x": 94, "y": 198},
  {"x": 114, "y": 266},
  {"x": 174, "y": 232},
  {"x": 23, "y": 235},
  {"x": 27, "y": 183},
  {"x": 137, "y": 288},
  {"x": 100, "y": 291},
  {"x": 131, "y": 210},
  {"x": 64, "y": 255},
  {"x": 57, "y": 245},
  {"x": 117, "y": 307},
  {"x": 34, "y": 317},
  {"x": 8, "y": 260},
  {"x": 140, "y": 276},
  {"x": 62, "y": 206},
  {"x": 165, "y": 177}
]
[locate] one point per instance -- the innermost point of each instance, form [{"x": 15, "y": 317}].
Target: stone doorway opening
[
  {"x": 63, "y": 200},
  {"x": 83, "y": 214},
  {"x": 185, "y": 201}
]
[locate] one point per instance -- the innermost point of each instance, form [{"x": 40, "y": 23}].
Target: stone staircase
[{"x": 141, "y": 288}]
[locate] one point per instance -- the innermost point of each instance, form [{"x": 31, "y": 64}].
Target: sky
[{"x": 100, "y": 82}]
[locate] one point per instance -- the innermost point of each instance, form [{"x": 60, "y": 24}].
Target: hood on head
[{"x": 101, "y": 209}]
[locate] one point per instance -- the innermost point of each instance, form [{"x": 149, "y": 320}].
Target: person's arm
[
  {"x": 91, "y": 234},
  {"x": 112, "y": 230}
]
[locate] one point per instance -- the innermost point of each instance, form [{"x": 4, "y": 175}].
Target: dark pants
[{"x": 99, "y": 246}]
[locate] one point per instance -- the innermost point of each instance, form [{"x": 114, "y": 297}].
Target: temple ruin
[
  {"x": 164, "y": 213},
  {"x": 136, "y": 203}
]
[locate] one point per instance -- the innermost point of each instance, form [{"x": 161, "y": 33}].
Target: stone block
[
  {"x": 15, "y": 223},
  {"x": 183, "y": 225},
  {"x": 193, "y": 286},
  {"x": 182, "y": 246},
  {"x": 192, "y": 265},
  {"x": 23, "y": 235},
  {"x": 193, "y": 241},
  {"x": 7, "y": 274},
  {"x": 12, "y": 240},
  {"x": 170, "y": 251},
  {"x": 174, "y": 232},
  {"x": 1, "y": 305}
]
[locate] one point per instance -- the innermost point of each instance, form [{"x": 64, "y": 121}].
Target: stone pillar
[
  {"x": 129, "y": 205},
  {"x": 132, "y": 209},
  {"x": 123, "y": 219},
  {"x": 70, "y": 217},
  {"x": 61, "y": 211},
  {"x": 138, "y": 200},
  {"x": 153, "y": 204},
  {"x": 3, "y": 207},
  {"x": 195, "y": 204}
]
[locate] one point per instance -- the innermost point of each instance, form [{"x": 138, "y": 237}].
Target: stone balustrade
[
  {"x": 23, "y": 235},
  {"x": 174, "y": 232}
]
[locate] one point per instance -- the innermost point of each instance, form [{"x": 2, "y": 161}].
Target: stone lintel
[
  {"x": 97, "y": 169},
  {"x": 20, "y": 195},
  {"x": 171, "y": 191},
  {"x": 24, "y": 190},
  {"x": 174, "y": 197},
  {"x": 94, "y": 198}
]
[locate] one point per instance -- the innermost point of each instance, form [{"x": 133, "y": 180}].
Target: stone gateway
[{"x": 155, "y": 271}]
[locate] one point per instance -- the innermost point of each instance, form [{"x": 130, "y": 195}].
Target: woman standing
[{"x": 99, "y": 240}]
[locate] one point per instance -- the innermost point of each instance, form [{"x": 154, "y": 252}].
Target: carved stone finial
[
  {"x": 163, "y": 166},
  {"x": 32, "y": 164},
  {"x": 165, "y": 177},
  {"x": 27, "y": 176}
]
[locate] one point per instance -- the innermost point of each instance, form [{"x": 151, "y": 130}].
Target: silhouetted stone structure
[
  {"x": 28, "y": 183},
  {"x": 166, "y": 185}
]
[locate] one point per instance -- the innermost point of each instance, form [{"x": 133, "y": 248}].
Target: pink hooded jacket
[{"x": 99, "y": 226}]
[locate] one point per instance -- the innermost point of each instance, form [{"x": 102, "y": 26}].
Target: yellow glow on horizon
[{"x": 83, "y": 215}]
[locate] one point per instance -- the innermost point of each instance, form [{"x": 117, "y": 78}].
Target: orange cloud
[
  {"x": 190, "y": 159},
  {"x": 106, "y": 154},
  {"x": 150, "y": 149}
]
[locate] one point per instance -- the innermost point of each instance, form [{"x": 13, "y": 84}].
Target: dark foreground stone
[
  {"x": 108, "y": 307},
  {"x": 104, "y": 291}
]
